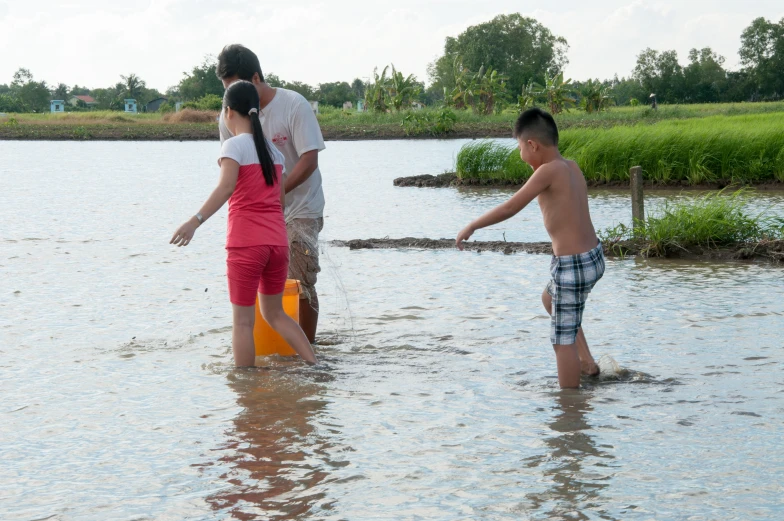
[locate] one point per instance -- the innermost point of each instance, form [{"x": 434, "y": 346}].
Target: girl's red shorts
[{"x": 256, "y": 268}]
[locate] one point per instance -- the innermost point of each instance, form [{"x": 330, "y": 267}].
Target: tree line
[{"x": 510, "y": 60}]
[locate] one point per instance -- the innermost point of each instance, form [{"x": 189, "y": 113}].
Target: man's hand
[
  {"x": 184, "y": 234},
  {"x": 464, "y": 235}
]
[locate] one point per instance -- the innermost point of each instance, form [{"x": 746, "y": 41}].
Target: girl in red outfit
[{"x": 256, "y": 240}]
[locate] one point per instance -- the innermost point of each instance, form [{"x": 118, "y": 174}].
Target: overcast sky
[{"x": 90, "y": 42}]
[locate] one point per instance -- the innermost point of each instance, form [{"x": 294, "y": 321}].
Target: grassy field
[
  {"x": 337, "y": 124},
  {"x": 746, "y": 149},
  {"x": 109, "y": 125}
]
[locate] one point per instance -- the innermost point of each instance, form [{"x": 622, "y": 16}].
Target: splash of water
[{"x": 609, "y": 367}]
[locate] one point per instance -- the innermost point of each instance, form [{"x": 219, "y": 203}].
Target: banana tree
[
  {"x": 595, "y": 97},
  {"x": 402, "y": 90},
  {"x": 462, "y": 95},
  {"x": 528, "y": 98},
  {"x": 376, "y": 93},
  {"x": 557, "y": 93},
  {"x": 489, "y": 87}
]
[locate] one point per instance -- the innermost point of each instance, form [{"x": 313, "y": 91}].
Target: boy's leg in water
[
  {"x": 588, "y": 365},
  {"x": 272, "y": 311},
  {"x": 242, "y": 335},
  {"x": 568, "y": 366}
]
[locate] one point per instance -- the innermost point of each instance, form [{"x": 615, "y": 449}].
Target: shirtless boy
[{"x": 578, "y": 260}]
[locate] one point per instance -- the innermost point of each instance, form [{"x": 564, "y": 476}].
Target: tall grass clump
[
  {"x": 708, "y": 222},
  {"x": 491, "y": 160},
  {"x": 724, "y": 150}
]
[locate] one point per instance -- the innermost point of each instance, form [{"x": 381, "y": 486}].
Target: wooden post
[{"x": 638, "y": 199}]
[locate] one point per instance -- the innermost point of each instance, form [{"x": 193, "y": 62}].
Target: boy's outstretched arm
[{"x": 535, "y": 185}]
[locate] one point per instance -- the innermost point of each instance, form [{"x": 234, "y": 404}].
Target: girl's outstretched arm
[{"x": 230, "y": 169}]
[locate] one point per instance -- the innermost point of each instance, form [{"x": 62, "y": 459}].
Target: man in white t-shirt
[{"x": 288, "y": 121}]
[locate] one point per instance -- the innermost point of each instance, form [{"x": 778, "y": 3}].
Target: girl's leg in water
[
  {"x": 272, "y": 311},
  {"x": 242, "y": 335}
]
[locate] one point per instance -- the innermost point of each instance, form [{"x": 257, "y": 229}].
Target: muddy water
[{"x": 437, "y": 398}]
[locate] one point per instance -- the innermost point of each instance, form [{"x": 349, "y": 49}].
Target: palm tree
[
  {"x": 60, "y": 92},
  {"x": 134, "y": 86},
  {"x": 557, "y": 93}
]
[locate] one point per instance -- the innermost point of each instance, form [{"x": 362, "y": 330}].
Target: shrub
[
  {"x": 207, "y": 102},
  {"x": 428, "y": 122},
  {"x": 191, "y": 116},
  {"x": 710, "y": 221}
]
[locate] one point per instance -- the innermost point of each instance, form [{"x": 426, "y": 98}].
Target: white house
[{"x": 57, "y": 105}]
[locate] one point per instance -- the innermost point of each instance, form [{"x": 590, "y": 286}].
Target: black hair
[
  {"x": 537, "y": 124},
  {"x": 242, "y": 97},
  {"x": 238, "y": 61}
]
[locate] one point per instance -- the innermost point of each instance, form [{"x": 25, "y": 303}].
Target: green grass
[
  {"x": 615, "y": 116},
  {"x": 708, "y": 222},
  {"x": 747, "y": 149},
  {"x": 340, "y": 124}
]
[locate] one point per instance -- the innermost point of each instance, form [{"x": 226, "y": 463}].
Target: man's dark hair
[
  {"x": 236, "y": 60},
  {"x": 537, "y": 124}
]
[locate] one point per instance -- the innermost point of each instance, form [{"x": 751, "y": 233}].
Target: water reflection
[
  {"x": 275, "y": 461},
  {"x": 573, "y": 491}
]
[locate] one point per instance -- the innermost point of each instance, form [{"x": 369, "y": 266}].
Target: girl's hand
[
  {"x": 464, "y": 235},
  {"x": 184, "y": 234}
]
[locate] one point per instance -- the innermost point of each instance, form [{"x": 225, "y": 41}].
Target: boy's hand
[
  {"x": 464, "y": 235},
  {"x": 184, "y": 234}
]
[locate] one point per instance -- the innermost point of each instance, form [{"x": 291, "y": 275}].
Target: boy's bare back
[{"x": 564, "y": 205}]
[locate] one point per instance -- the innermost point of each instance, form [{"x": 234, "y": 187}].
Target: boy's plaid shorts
[{"x": 572, "y": 279}]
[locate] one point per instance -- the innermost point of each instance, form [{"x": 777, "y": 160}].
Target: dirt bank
[
  {"x": 770, "y": 251},
  {"x": 447, "y": 180},
  {"x": 446, "y": 244}
]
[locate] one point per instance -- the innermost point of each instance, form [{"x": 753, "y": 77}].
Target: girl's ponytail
[
  {"x": 265, "y": 157},
  {"x": 242, "y": 97}
]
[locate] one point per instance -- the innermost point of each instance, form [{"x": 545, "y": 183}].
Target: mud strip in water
[
  {"x": 769, "y": 251},
  {"x": 450, "y": 179},
  {"x": 445, "y": 244}
]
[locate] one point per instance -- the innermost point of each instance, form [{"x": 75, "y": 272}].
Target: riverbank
[
  {"x": 339, "y": 125},
  {"x": 209, "y": 132}
]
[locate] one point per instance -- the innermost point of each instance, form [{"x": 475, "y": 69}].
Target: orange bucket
[{"x": 267, "y": 340}]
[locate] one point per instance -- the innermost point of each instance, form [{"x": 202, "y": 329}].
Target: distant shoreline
[{"x": 209, "y": 132}]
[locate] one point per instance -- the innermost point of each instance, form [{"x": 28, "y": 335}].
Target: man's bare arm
[{"x": 307, "y": 164}]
